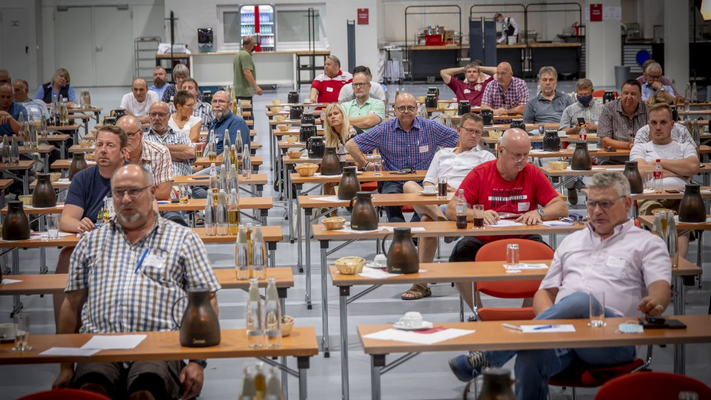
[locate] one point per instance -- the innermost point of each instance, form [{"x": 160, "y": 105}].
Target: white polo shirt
[
  {"x": 650, "y": 152},
  {"x": 455, "y": 167},
  {"x": 622, "y": 266},
  {"x": 138, "y": 108}
]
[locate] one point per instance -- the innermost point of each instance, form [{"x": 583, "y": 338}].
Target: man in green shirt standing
[
  {"x": 364, "y": 112},
  {"x": 245, "y": 77}
]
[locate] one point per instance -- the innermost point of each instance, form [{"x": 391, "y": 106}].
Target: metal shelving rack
[{"x": 139, "y": 59}]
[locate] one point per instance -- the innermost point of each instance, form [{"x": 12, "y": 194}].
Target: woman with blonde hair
[
  {"x": 59, "y": 86},
  {"x": 337, "y": 130}
]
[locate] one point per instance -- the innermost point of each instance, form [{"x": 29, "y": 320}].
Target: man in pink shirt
[{"x": 612, "y": 256}]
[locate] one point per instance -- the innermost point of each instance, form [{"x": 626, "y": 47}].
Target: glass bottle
[
  {"x": 461, "y": 210},
  {"x": 221, "y": 214},
  {"x": 233, "y": 155},
  {"x": 241, "y": 249},
  {"x": 258, "y": 254},
  {"x": 14, "y": 151},
  {"x": 274, "y": 391},
  {"x": 222, "y": 184},
  {"x": 249, "y": 392},
  {"x": 694, "y": 93},
  {"x": 657, "y": 228},
  {"x": 5, "y": 150},
  {"x": 210, "y": 227},
  {"x": 260, "y": 381},
  {"x": 234, "y": 179},
  {"x": 246, "y": 163},
  {"x": 233, "y": 213},
  {"x": 672, "y": 240},
  {"x": 272, "y": 310},
  {"x": 214, "y": 182},
  {"x": 211, "y": 149},
  {"x": 43, "y": 127},
  {"x": 64, "y": 117},
  {"x": 226, "y": 141},
  {"x": 238, "y": 147},
  {"x": 658, "y": 176},
  {"x": 255, "y": 317},
  {"x": 250, "y": 244}
]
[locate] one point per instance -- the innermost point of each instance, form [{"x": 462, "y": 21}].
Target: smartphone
[
  {"x": 610, "y": 149},
  {"x": 581, "y": 121},
  {"x": 672, "y": 191}
]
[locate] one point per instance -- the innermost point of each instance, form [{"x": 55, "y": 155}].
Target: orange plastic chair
[
  {"x": 496, "y": 251},
  {"x": 65, "y": 394},
  {"x": 651, "y": 385}
]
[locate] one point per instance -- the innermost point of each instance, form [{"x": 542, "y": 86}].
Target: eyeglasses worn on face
[
  {"x": 604, "y": 204},
  {"x": 357, "y": 85},
  {"x": 407, "y": 108},
  {"x": 157, "y": 115},
  {"x": 132, "y": 135},
  {"x": 472, "y": 131},
  {"x": 132, "y": 193}
]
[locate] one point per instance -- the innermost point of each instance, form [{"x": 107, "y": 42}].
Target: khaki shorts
[
  {"x": 645, "y": 207},
  {"x": 161, "y": 378}
]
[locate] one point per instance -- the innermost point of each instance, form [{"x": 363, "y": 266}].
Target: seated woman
[
  {"x": 183, "y": 120},
  {"x": 337, "y": 130},
  {"x": 59, "y": 86},
  {"x": 180, "y": 72}
]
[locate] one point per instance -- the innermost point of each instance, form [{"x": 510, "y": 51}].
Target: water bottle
[
  {"x": 241, "y": 261},
  {"x": 249, "y": 392},
  {"x": 214, "y": 183},
  {"x": 258, "y": 254},
  {"x": 223, "y": 182},
  {"x": 222, "y": 219},
  {"x": 5, "y": 151},
  {"x": 694, "y": 93},
  {"x": 233, "y": 213},
  {"x": 672, "y": 240},
  {"x": 238, "y": 146},
  {"x": 687, "y": 97},
  {"x": 461, "y": 209},
  {"x": 274, "y": 391},
  {"x": 250, "y": 247},
  {"x": 272, "y": 311},
  {"x": 14, "y": 151},
  {"x": 234, "y": 180},
  {"x": 210, "y": 220},
  {"x": 246, "y": 163},
  {"x": 260, "y": 381},
  {"x": 658, "y": 177},
  {"x": 255, "y": 317},
  {"x": 43, "y": 126}
]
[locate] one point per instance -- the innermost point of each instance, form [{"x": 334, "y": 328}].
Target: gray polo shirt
[{"x": 541, "y": 110}]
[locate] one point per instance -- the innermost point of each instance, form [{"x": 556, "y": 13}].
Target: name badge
[
  {"x": 616, "y": 262},
  {"x": 523, "y": 207},
  {"x": 467, "y": 91},
  {"x": 424, "y": 149},
  {"x": 329, "y": 89},
  {"x": 154, "y": 261}
]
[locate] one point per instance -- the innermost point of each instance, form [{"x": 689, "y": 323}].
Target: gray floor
[{"x": 425, "y": 377}]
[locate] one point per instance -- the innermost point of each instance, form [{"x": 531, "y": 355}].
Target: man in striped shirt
[
  {"x": 326, "y": 87},
  {"x": 125, "y": 277}
]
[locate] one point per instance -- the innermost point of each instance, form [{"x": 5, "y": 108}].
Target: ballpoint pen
[
  {"x": 140, "y": 261},
  {"x": 538, "y": 328}
]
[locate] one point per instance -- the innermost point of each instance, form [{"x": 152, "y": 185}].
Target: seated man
[
  {"x": 586, "y": 108},
  {"x": 679, "y": 132},
  {"x": 509, "y": 185},
  {"x": 10, "y": 111},
  {"x": 36, "y": 108},
  {"x": 679, "y": 160},
  {"x": 653, "y": 73},
  {"x": 664, "y": 80},
  {"x": 160, "y": 82},
  {"x": 508, "y": 95},
  {"x": 376, "y": 89},
  {"x": 475, "y": 81},
  {"x": 5, "y": 77},
  {"x": 138, "y": 102},
  {"x": 406, "y": 141},
  {"x": 327, "y": 86},
  {"x": 620, "y": 120},
  {"x": 364, "y": 112},
  {"x": 547, "y": 106},
  {"x": 182, "y": 150},
  {"x": 613, "y": 256},
  {"x": 452, "y": 164},
  {"x": 100, "y": 299}
]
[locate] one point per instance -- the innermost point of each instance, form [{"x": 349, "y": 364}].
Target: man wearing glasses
[
  {"x": 182, "y": 150},
  {"x": 407, "y": 141},
  {"x": 509, "y": 187},
  {"x": 125, "y": 277},
  {"x": 138, "y": 102},
  {"x": 653, "y": 85},
  {"x": 364, "y": 111},
  {"x": 612, "y": 256}
]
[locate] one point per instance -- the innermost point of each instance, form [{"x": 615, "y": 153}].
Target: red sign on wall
[
  {"x": 595, "y": 12},
  {"x": 363, "y": 16}
]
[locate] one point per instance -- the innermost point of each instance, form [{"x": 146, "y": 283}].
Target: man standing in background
[{"x": 245, "y": 76}]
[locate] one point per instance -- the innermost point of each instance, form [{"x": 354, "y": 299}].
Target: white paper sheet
[
  {"x": 39, "y": 208},
  {"x": 347, "y": 229},
  {"x": 377, "y": 273},
  {"x": 505, "y": 223},
  {"x": 333, "y": 199},
  {"x": 554, "y": 328},
  {"x": 9, "y": 281},
  {"x": 556, "y": 223},
  {"x": 418, "y": 338},
  {"x": 526, "y": 266},
  {"x": 415, "y": 229},
  {"x": 69, "y": 351},
  {"x": 114, "y": 342}
]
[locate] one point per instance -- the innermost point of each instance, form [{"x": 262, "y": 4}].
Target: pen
[
  {"x": 514, "y": 327},
  {"x": 140, "y": 261},
  {"x": 538, "y": 328}
]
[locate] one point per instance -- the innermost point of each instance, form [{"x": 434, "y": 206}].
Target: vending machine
[{"x": 259, "y": 21}]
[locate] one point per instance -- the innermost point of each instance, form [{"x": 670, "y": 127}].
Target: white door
[
  {"x": 14, "y": 42},
  {"x": 74, "y": 45},
  {"x": 114, "y": 46}
]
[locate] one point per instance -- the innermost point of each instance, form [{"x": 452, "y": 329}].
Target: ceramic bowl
[
  {"x": 54, "y": 176},
  {"x": 350, "y": 265},
  {"x": 280, "y": 117},
  {"x": 294, "y": 153},
  {"x": 283, "y": 127},
  {"x": 276, "y": 102},
  {"x": 442, "y": 105},
  {"x": 287, "y": 324},
  {"x": 333, "y": 223},
  {"x": 558, "y": 165},
  {"x": 306, "y": 169},
  {"x": 450, "y": 112}
]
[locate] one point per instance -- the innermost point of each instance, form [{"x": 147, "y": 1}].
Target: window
[
  {"x": 293, "y": 27},
  {"x": 228, "y": 31}
]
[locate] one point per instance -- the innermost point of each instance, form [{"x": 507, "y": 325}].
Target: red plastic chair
[
  {"x": 65, "y": 394},
  {"x": 496, "y": 251},
  {"x": 651, "y": 385}
]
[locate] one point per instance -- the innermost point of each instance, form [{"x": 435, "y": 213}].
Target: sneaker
[
  {"x": 450, "y": 239},
  {"x": 468, "y": 366},
  {"x": 572, "y": 196}
]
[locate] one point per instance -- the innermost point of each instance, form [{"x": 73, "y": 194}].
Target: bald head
[
  {"x": 504, "y": 74},
  {"x": 139, "y": 88},
  {"x": 514, "y": 149},
  {"x": 515, "y": 136},
  {"x": 404, "y": 98},
  {"x": 160, "y": 116}
]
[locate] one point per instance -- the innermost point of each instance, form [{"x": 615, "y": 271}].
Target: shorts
[
  {"x": 645, "y": 207},
  {"x": 161, "y": 378}
]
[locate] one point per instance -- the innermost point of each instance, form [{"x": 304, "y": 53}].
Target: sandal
[{"x": 416, "y": 292}]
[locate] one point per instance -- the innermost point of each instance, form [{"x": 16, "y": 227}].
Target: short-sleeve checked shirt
[
  {"x": 202, "y": 110},
  {"x": 570, "y": 116},
  {"x": 400, "y": 149},
  {"x": 158, "y": 158},
  {"x": 616, "y": 124},
  {"x": 121, "y": 300},
  {"x": 515, "y": 95},
  {"x": 170, "y": 137}
]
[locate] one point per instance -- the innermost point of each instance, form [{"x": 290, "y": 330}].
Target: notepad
[
  {"x": 114, "y": 342},
  {"x": 505, "y": 223},
  {"x": 555, "y": 328},
  {"x": 69, "y": 351},
  {"x": 414, "y": 337}
]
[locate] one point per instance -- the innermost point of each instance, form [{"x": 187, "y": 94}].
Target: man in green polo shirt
[
  {"x": 364, "y": 112},
  {"x": 245, "y": 77}
]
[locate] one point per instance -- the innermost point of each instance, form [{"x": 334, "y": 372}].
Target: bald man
[
  {"x": 508, "y": 95},
  {"x": 5, "y": 76},
  {"x": 509, "y": 187},
  {"x": 138, "y": 102}
]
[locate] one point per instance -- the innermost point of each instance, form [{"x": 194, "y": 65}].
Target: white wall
[
  {"x": 31, "y": 76},
  {"x": 604, "y": 48}
]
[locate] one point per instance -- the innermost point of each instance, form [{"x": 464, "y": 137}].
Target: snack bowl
[
  {"x": 495, "y": 134},
  {"x": 26, "y": 199},
  {"x": 280, "y": 117},
  {"x": 277, "y": 109},
  {"x": 421, "y": 99},
  {"x": 558, "y": 165},
  {"x": 291, "y": 139},
  {"x": 350, "y": 265},
  {"x": 85, "y": 144},
  {"x": 294, "y": 153},
  {"x": 451, "y": 112},
  {"x": 666, "y": 210},
  {"x": 333, "y": 223},
  {"x": 245, "y": 103},
  {"x": 54, "y": 176},
  {"x": 276, "y": 102},
  {"x": 442, "y": 105},
  {"x": 306, "y": 169},
  {"x": 287, "y": 324},
  {"x": 90, "y": 157},
  {"x": 283, "y": 127}
]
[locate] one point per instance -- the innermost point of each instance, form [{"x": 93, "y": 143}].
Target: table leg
[
  {"x": 16, "y": 303},
  {"x": 271, "y": 147},
  {"x": 324, "y": 297},
  {"x": 377, "y": 362},
  {"x": 26, "y": 182},
  {"x": 344, "y": 291},
  {"x": 264, "y": 213},
  {"x": 287, "y": 190},
  {"x": 679, "y": 349},
  {"x": 272, "y": 254},
  {"x": 299, "y": 239},
  {"x": 46, "y": 163},
  {"x": 307, "y": 263},
  {"x": 63, "y": 148},
  {"x": 43, "y": 253},
  {"x": 303, "y": 364}
]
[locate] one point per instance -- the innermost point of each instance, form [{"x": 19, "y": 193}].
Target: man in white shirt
[
  {"x": 452, "y": 164},
  {"x": 35, "y": 107},
  {"x": 376, "y": 89},
  {"x": 138, "y": 102},
  {"x": 679, "y": 161},
  {"x": 612, "y": 256}
]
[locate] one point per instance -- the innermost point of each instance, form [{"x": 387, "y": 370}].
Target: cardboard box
[{"x": 448, "y": 35}]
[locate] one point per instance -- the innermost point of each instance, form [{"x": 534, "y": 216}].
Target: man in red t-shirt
[
  {"x": 509, "y": 185},
  {"x": 326, "y": 87},
  {"x": 475, "y": 81}
]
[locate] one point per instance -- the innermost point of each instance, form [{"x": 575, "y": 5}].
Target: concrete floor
[{"x": 427, "y": 377}]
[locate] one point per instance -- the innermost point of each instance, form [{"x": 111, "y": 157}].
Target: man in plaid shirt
[
  {"x": 125, "y": 277},
  {"x": 508, "y": 95},
  {"x": 407, "y": 141}
]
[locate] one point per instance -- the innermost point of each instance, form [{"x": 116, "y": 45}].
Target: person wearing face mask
[
  {"x": 508, "y": 27},
  {"x": 586, "y": 107}
]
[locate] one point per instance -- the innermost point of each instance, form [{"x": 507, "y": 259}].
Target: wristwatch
[
  {"x": 541, "y": 213},
  {"x": 661, "y": 89}
]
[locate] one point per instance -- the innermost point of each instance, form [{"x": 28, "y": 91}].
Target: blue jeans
[
  {"x": 534, "y": 367},
  {"x": 394, "y": 213},
  {"x": 200, "y": 192}
]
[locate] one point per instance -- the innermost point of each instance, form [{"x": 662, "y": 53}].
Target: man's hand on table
[{"x": 530, "y": 218}]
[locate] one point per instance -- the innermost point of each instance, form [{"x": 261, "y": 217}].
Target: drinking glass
[
  {"x": 479, "y": 216},
  {"x": 442, "y": 188},
  {"x": 377, "y": 166},
  {"x": 22, "y": 332},
  {"x": 597, "y": 309},
  {"x": 199, "y": 147},
  {"x": 52, "y": 223},
  {"x": 649, "y": 180},
  {"x": 183, "y": 193},
  {"x": 512, "y": 255}
]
